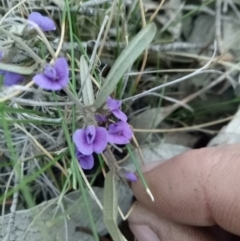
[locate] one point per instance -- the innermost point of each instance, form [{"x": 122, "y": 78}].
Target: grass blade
[
  {"x": 86, "y": 82},
  {"x": 125, "y": 59},
  {"x": 110, "y": 207}
]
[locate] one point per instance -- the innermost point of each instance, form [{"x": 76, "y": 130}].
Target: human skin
[{"x": 197, "y": 197}]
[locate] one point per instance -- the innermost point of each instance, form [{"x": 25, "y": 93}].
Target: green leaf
[
  {"x": 18, "y": 69},
  {"x": 110, "y": 207},
  {"x": 125, "y": 59},
  {"x": 86, "y": 82}
]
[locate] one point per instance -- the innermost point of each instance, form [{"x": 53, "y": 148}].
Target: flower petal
[
  {"x": 90, "y": 133},
  {"x": 118, "y": 139},
  {"x": 85, "y": 161},
  {"x": 115, "y": 128},
  {"x": 11, "y": 78},
  {"x": 100, "y": 118},
  {"x": 131, "y": 176},
  {"x": 45, "y": 23},
  {"x": 113, "y": 104},
  {"x": 127, "y": 131},
  {"x": 45, "y": 83},
  {"x": 119, "y": 114},
  {"x": 79, "y": 139},
  {"x": 61, "y": 67},
  {"x": 1, "y": 55},
  {"x": 119, "y": 133},
  {"x": 2, "y": 72},
  {"x": 50, "y": 72},
  {"x": 100, "y": 142}
]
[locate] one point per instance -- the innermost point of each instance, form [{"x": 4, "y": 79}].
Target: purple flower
[
  {"x": 119, "y": 133},
  {"x": 53, "y": 77},
  {"x": 1, "y": 55},
  {"x": 131, "y": 176},
  {"x": 91, "y": 139},
  {"x": 85, "y": 161},
  {"x": 45, "y": 23},
  {"x": 100, "y": 118},
  {"x": 114, "y": 106},
  {"x": 10, "y": 78}
]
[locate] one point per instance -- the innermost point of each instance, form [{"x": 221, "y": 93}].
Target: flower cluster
[
  {"x": 53, "y": 77},
  {"x": 95, "y": 139},
  {"x": 92, "y": 138}
]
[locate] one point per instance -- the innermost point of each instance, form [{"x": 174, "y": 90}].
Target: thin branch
[
  {"x": 197, "y": 72},
  {"x": 92, "y": 59}
]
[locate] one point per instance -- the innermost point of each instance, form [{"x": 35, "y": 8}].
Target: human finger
[{"x": 199, "y": 188}]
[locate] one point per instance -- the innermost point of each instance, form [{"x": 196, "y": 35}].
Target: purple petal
[
  {"x": 12, "y": 79},
  {"x": 118, "y": 139},
  {"x": 46, "y": 83},
  {"x": 131, "y": 176},
  {"x": 113, "y": 104},
  {"x": 2, "y": 72},
  {"x": 50, "y": 72},
  {"x": 90, "y": 133},
  {"x": 127, "y": 131},
  {"x": 100, "y": 118},
  {"x": 100, "y": 142},
  {"x": 45, "y": 23},
  {"x": 79, "y": 139},
  {"x": 114, "y": 128},
  {"x": 1, "y": 55},
  {"x": 119, "y": 133},
  {"x": 119, "y": 114},
  {"x": 61, "y": 67},
  {"x": 118, "y": 127},
  {"x": 86, "y": 161}
]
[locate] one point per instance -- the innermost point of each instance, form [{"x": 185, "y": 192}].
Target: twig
[
  {"x": 189, "y": 128},
  {"x": 92, "y": 59},
  {"x": 165, "y": 27},
  {"x": 146, "y": 50},
  {"x": 4, "y": 200},
  {"x": 107, "y": 27},
  {"x": 40, "y": 103},
  {"x": 40, "y": 147},
  {"x": 109, "y": 45},
  {"x": 13, "y": 211},
  {"x": 16, "y": 6},
  {"x": 218, "y": 26},
  {"x": 145, "y": 55},
  {"x": 234, "y": 8},
  {"x": 199, "y": 71},
  {"x": 18, "y": 177},
  {"x": 157, "y": 10}
]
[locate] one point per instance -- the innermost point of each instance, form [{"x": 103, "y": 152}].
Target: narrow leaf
[
  {"x": 86, "y": 82},
  {"x": 18, "y": 69},
  {"x": 110, "y": 205},
  {"x": 124, "y": 61}
]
